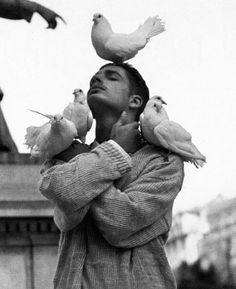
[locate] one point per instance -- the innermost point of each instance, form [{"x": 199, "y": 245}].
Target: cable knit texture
[{"x": 114, "y": 216}]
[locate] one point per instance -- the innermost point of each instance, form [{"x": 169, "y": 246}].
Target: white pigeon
[
  {"x": 119, "y": 47},
  {"x": 80, "y": 114},
  {"x": 52, "y": 137},
  {"x": 157, "y": 129}
]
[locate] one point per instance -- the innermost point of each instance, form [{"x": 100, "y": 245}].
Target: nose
[{"x": 96, "y": 78}]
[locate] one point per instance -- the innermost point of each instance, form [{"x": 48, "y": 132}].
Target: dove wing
[
  {"x": 125, "y": 44},
  {"x": 174, "y": 137},
  {"x": 67, "y": 112},
  {"x": 32, "y": 133}
]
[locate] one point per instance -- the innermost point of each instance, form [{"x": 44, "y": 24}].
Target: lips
[{"x": 96, "y": 88}]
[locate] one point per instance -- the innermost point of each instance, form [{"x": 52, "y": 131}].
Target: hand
[{"x": 126, "y": 134}]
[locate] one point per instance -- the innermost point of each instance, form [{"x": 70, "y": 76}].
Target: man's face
[{"x": 109, "y": 87}]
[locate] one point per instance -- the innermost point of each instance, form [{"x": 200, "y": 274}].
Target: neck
[
  {"x": 105, "y": 124},
  {"x": 103, "y": 128}
]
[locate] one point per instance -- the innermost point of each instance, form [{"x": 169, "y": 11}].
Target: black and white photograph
[{"x": 117, "y": 144}]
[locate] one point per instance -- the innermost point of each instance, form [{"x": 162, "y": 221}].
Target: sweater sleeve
[
  {"x": 142, "y": 211},
  {"x": 72, "y": 186},
  {"x": 66, "y": 221}
]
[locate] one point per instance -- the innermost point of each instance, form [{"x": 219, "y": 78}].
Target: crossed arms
[{"x": 128, "y": 214}]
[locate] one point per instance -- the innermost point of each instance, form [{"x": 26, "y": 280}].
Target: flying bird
[
  {"x": 119, "y": 47},
  {"x": 80, "y": 114},
  {"x": 1, "y": 94},
  {"x": 24, "y": 9},
  {"x": 157, "y": 129},
  {"x": 52, "y": 137}
]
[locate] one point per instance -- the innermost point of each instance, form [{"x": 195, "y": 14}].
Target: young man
[{"x": 113, "y": 203}]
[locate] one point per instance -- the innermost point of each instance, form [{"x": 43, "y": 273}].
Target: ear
[{"x": 135, "y": 101}]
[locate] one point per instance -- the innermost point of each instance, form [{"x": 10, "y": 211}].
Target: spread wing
[
  {"x": 32, "y": 133},
  {"x": 175, "y": 138}
]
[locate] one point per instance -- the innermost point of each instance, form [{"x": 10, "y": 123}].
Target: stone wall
[{"x": 28, "y": 253}]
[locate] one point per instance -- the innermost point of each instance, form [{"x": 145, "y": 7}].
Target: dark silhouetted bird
[{"x": 24, "y": 9}]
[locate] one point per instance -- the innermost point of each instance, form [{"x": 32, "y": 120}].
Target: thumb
[{"x": 123, "y": 118}]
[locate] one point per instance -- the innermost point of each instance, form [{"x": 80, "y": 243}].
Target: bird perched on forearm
[
  {"x": 119, "y": 47},
  {"x": 52, "y": 137},
  {"x": 157, "y": 129},
  {"x": 24, "y": 9},
  {"x": 80, "y": 114}
]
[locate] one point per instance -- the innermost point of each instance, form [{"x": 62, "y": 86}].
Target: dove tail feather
[
  {"x": 32, "y": 133},
  {"x": 152, "y": 26},
  {"x": 63, "y": 20},
  {"x": 197, "y": 163}
]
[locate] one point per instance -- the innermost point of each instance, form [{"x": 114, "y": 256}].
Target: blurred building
[
  {"x": 218, "y": 246},
  {"x": 187, "y": 229},
  {"x": 28, "y": 235},
  {"x": 207, "y": 234}
]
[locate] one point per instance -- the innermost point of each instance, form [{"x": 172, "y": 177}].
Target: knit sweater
[{"x": 114, "y": 215}]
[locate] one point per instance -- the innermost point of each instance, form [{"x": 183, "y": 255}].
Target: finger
[
  {"x": 135, "y": 124},
  {"x": 123, "y": 118}
]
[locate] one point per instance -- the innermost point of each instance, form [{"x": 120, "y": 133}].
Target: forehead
[{"x": 110, "y": 69}]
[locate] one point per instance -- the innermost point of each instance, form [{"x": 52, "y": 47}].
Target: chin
[
  {"x": 97, "y": 95},
  {"x": 96, "y": 102}
]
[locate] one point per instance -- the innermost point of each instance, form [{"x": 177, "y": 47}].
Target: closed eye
[
  {"x": 113, "y": 78},
  {"x": 113, "y": 75}
]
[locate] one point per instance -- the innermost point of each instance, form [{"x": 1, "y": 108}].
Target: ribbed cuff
[{"x": 117, "y": 155}]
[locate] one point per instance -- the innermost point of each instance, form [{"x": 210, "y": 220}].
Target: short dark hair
[{"x": 138, "y": 84}]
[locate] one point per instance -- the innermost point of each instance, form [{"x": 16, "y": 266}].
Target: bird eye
[{"x": 80, "y": 90}]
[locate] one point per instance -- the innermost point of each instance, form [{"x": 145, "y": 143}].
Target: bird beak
[{"x": 164, "y": 102}]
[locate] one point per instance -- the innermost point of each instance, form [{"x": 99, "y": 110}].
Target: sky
[{"x": 192, "y": 65}]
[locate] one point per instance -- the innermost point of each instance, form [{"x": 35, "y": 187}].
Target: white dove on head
[
  {"x": 98, "y": 17},
  {"x": 119, "y": 47}
]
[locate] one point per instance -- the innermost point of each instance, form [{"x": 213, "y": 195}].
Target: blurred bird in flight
[{"x": 24, "y": 9}]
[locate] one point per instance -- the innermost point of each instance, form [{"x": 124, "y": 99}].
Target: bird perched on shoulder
[
  {"x": 52, "y": 137},
  {"x": 80, "y": 114},
  {"x": 157, "y": 129},
  {"x": 119, "y": 47}
]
